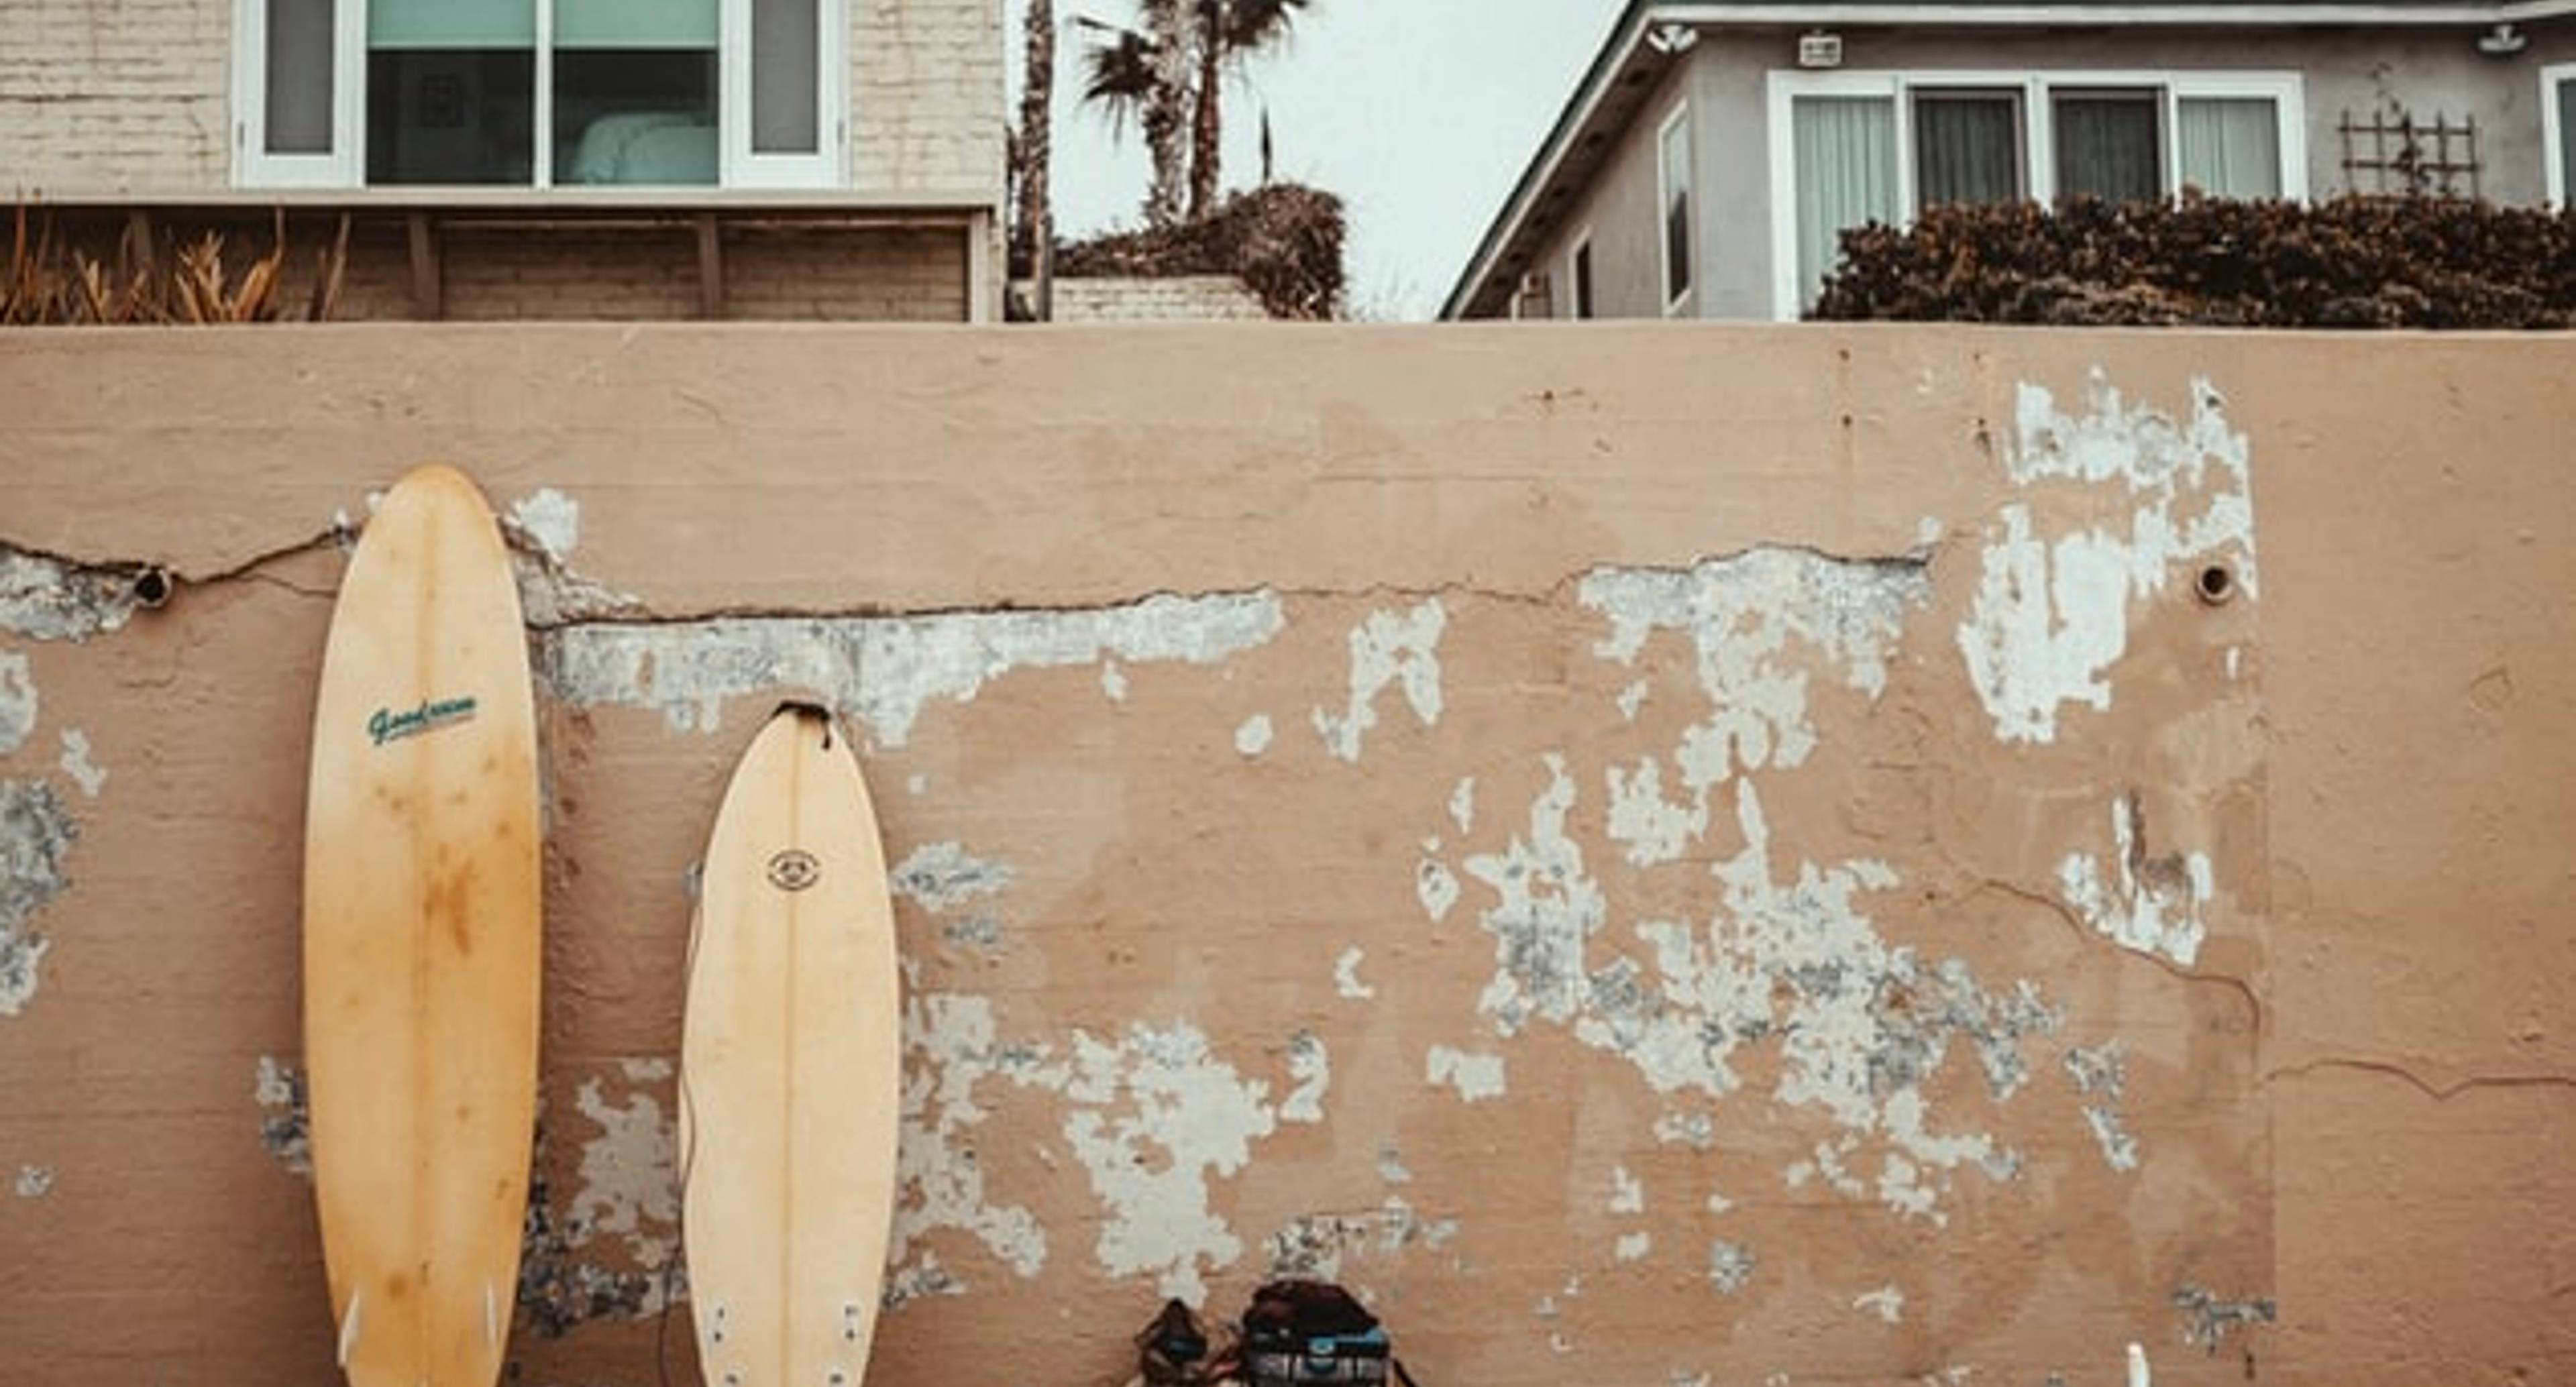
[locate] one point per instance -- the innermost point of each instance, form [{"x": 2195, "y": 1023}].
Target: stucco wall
[
  {"x": 135, "y": 96},
  {"x": 1656, "y": 854},
  {"x": 2361, "y": 70}
]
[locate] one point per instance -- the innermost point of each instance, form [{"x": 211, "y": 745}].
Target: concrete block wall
[
  {"x": 1176, "y": 298},
  {"x": 883, "y": 276},
  {"x": 1655, "y": 853}
]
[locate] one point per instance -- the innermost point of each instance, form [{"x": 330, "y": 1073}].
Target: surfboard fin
[
  {"x": 491, "y": 1318},
  {"x": 349, "y": 1326}
]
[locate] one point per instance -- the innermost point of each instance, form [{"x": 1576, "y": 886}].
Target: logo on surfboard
[
  {"x": 387, "y": 725},
  {"x": 794, "y": 870}
]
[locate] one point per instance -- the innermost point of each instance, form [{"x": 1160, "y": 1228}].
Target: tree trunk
[
  {"x": 1167, "y": 113},
  {"x": 1204, "y": 119},
  {"x": 1031, "y": 153}
]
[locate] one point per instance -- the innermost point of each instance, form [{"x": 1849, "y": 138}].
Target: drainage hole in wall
[
  {"x": 2215, "y": 585},
  {"x": 152, "y": 586}
]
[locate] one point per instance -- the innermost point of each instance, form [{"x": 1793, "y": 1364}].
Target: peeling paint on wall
[
  {"x": 1252, "y": 735},
  {"x": 550, "y": 520},
  {"x": 1323, "y": 1245},
  {"x": 1887, "y": 1303},
  {"x": 1730, "y": 1266},
  {"x": 939, "y": 877},
  {"x": 1312, "y": 1068},
  {"x": 76, "y": 763},
  {"x": 627, "y": 1184},
  {"x": 1476, "y": 1077},
  {"x": 2051, "y": 616},
  {"x": 951, "y": 1046},
  {"x": 1388, "y": 648},
  {"x": 49, "y": 600},
  {"x": 17, "y": 701},
  {"x": 2099, "y": 1073},
  {"x": 884, "y": 670},
  {"x": 2207, "y": 1320},
  {"x": 2150, "y": 904},
  {"x": 1436, "y": 887},
  {"x": 36, "y": 834},
  {"x": 1462, "y": 804},
  {"x": 1627, "y": 1192},
  {"x": 284, "y": 1127},
  {"x": 1633, "y": 1247},
  {"x": 34, "y": 1182},
  {"x": 1346, "y": 977}
]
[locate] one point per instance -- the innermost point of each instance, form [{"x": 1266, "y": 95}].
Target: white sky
[{"x": 1418, "y": 113}]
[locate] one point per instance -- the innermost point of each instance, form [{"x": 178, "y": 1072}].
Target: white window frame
[
  {"x": 253, "y": 165},
  {"x": 2039, "y": 145},
  {"x": 2553, "y": 138},
  {"x": 738, "y": 166},
  {"x": 1574, "y": 280},
  {"x": 1678, "y": 115}
]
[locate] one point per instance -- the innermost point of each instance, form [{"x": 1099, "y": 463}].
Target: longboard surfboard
[
  {"x": 789, "y": 1068},
  {"x": 421, "y": 941}
]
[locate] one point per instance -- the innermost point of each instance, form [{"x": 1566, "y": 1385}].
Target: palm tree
[
  {"x": 1144, "y": 74},
  {"x": 1232, "y": 32},
  {"x": 1169, "y": 74},
  {"x": 1032, "y": 149}
]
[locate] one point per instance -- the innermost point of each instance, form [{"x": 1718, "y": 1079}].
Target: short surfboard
[
  {"x": 789, "y": 1068},
  {"x": 421, "y": 942}
]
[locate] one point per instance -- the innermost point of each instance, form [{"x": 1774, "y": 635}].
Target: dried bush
[
  {"x": 2354, "y": 262},
  {"x": 157, "y": 278},
  {"x": 1283, "y": 240}
]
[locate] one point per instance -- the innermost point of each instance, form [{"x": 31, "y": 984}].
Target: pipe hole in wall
[
  {"x": 2215, "y": 585},
  {"x": 152, "y": 586}
]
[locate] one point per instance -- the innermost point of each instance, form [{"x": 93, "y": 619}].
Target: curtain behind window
[
  {"x": 1845, "y": 153},
  {"x": 2231, "y": 146},
  {"x": 1967, "y": 148},
  {"x": 2106, "y": 146},
  {"x": 2567, "y": 140}
]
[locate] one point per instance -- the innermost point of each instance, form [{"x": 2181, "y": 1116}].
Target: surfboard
[
  {"x": 790, "y": 1068},
  {"x": 421, "y": 959}
]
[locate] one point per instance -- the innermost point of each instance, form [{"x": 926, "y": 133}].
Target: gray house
[{"x": 1710, "y": 156}]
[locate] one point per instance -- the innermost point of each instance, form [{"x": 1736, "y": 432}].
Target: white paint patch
[
  {"x": 48, "y": 600},
  {"x": 2152, "y": 906},
  {"x": 1113, "y": 681},
  {"x": 1633, "y": 1247},
  {"x": 1545, "y": 908},
  {"x": 1388, "y": 648},
  {"x": 36, "y": 834},
  {"x": 885, "y": 670},
  {"x": 1156, "y": 1116},
  {"x": 627, "y": 1185},
  {"x": 550, "y": 520},
  {"x": 1632, "y": 698},
  {"x": 917, "y": 784},
  {"x": 1346, "y": 976},
  {"x": 2100, "y": 1072},
  {"x": 1652, "y": 829},
  {"x": 1462, "y": 805},
  {"x": 1476, "y": 1077},
  {"x": 2051, "y": 614},
  {"x": 34, "y": 1182},
  {"x": 1717, "y": 1203},
  {"x": 1437, "y": 888},
  {"x": 1390, "y": 1168},
  {"x": 1730, "y": 1266},
  {"x": 1627, "y": 1192},
  {"x": 85, "y": 773},
  {"x": 1887, "y": 1302},
  {"x": 1312, "y": 1068},
  {"x": 1320, "y": 1246},
  {"x": 17, "y": 701},
  {"x": 1696, "y": 1130},
  {"x": 2235, "y": 661},
  {"x": 939, "y": 877},
  {"x": 950, "y": 1043},
  {"x": 1743, "y": 615},
  {"x": 1252, "y": 736}
]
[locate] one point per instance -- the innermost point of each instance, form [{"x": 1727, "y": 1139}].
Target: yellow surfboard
[
  {"x": 421, "y": 958},
  {"x": 789, "y": 1066}
]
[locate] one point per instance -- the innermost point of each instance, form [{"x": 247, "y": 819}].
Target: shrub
[
  {"x": 2354, "y": 262},
  {"x": 1284, "y": 241}
]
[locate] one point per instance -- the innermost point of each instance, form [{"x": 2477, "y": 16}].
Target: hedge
[{"x": 2353, "y": 262}]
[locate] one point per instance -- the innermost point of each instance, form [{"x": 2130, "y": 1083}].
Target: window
[
  {"x": 2558, "y": 128},
  {"x": 1967, "y": 147},
  {"x": 1849, "y": 148},
  {"x": 1673, "y": 196},
  {"x": 537, "y": 93},
  {"x": 1578, "y": 274}
]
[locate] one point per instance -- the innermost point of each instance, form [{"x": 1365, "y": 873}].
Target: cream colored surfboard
[
  {"x": 421, "y": 899},
  {"x": 789, "y": 1068}
]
